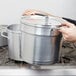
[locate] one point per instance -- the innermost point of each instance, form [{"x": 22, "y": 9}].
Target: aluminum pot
[
  {"x": 14, "y": 44},
  {"x": 40, "y": 39}
]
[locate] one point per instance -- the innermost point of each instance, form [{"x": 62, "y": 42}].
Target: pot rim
[
  {"x": 23, "y": 18},
  {"x": 10, "y": 28}
]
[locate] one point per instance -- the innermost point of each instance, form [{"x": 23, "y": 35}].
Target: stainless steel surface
[
  {"x": 40, "y": 42},
  {"x": 25, "y": 71},
  {"x": 14, "y": 44},
  {"x": 4, "y": 71}
]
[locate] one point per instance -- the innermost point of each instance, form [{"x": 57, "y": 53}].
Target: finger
[
  {"x": 29, "y": 12},
  {"x": 68, "y": 24},
  {"x": 33, "y": 11},
  {"x": 65, "y": 37},
  {"x": 63, "y": 30}
]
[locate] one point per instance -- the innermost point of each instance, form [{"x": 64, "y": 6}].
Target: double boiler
[{"x": 40, "y": 39}]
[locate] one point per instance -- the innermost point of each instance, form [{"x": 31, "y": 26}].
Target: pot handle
[
  {"x": 40, "y": 14},
  {"x": 4, "y": 34},
  {"x": 3, "y": 26}
]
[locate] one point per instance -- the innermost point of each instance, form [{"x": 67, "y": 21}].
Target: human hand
[
  {"x": 33, "y": 12},
  {"x": 68, "y": 31}
]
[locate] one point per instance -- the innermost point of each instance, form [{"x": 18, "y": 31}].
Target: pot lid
[{"x": 40, "y": 21}]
